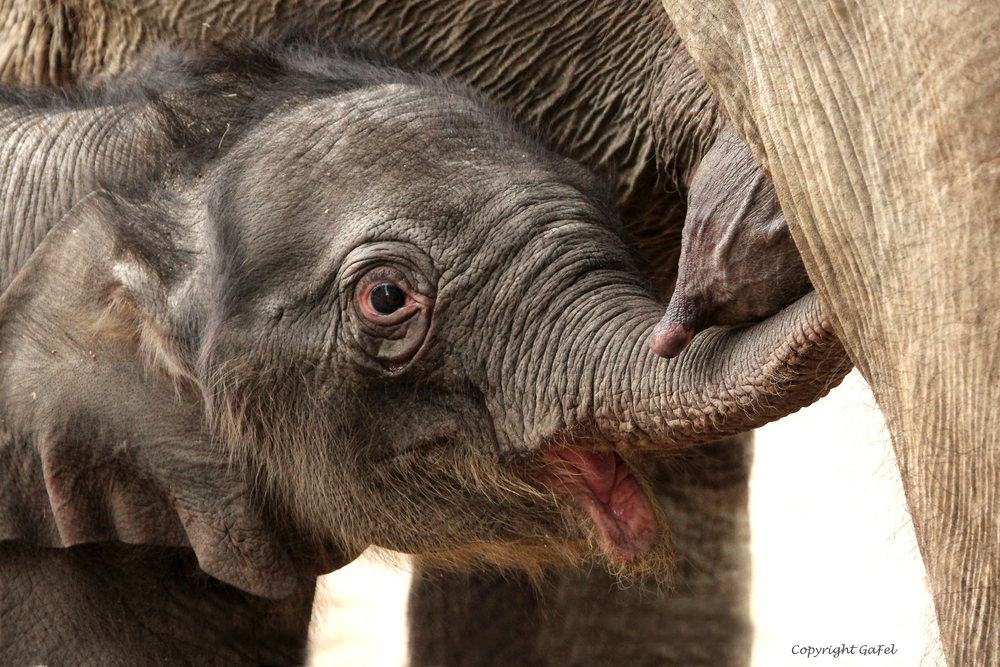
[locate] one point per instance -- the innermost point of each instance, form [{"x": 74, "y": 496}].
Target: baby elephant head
[
  {"x": 346, "y": 305},
  {"x": 379, "y": 333}
]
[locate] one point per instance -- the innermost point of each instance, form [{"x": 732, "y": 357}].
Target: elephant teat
[{"x": 738, "y": 261}]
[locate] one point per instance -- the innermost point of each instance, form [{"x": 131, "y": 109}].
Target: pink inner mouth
[{"x": 602, "y": 484}]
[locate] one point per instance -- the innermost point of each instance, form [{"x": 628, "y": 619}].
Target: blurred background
[{"x": 835, "y": 560}]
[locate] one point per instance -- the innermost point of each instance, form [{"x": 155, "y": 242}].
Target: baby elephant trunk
[
  {"x": 606, "y": 384},
  {"x": 684, "y": 318}
]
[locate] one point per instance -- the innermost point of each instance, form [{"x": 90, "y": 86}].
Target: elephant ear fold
[{"x": 102, "y": 433}]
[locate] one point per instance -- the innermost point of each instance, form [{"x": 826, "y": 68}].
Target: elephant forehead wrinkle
[{"x": 400, "y": 110}]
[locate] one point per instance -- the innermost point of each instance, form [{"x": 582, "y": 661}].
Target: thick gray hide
[{"x": 123, "y": 605}]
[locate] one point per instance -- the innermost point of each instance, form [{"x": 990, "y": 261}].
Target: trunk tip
[{"x": 670, "y": 338}]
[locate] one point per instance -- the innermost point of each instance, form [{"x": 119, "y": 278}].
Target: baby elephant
[
  {"x": 280, "y": 304},
  {"x": 738, "y": 262}
]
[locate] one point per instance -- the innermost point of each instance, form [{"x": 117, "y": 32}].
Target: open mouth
[{"x": 601, "y": 484}]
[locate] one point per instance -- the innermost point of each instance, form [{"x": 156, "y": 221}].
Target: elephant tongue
[{"x": 602, "y": 484}]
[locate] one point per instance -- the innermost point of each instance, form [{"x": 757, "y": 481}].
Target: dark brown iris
[{"x": 387, "y": 298}]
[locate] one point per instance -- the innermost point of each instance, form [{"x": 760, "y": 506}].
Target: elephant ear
[{"x": 101, "y": 438}]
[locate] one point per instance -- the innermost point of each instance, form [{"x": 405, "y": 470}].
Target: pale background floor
[{"x": 834, "y": 555}]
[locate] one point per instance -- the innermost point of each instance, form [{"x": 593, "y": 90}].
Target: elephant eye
[
  {"x": 386, "y": 298},
  {"x": 390, "y": 317}
]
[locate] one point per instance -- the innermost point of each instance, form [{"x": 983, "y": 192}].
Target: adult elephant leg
[
  {"x": 584, "y": 618},
  {"x": 122, "y": 605},
  {"x": 880, "y": 125},
  {"x": 481, "y": 619}
]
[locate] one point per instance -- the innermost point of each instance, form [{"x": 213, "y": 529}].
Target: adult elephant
[
  {"x": 573, "y": 73},
  {"x": 880, "y": 125}
]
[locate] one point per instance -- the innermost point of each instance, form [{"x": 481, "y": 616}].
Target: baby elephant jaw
[{"x": 602, "y": 485}]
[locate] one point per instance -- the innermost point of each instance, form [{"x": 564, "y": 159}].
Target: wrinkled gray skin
[
  {"x": 191, "y": 358},
  {"x": 738, "y": 261},
  {"x": 607, "y": 83}
]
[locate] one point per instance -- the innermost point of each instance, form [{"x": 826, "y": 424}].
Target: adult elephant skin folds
[{"x": 880, "y": 125}]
